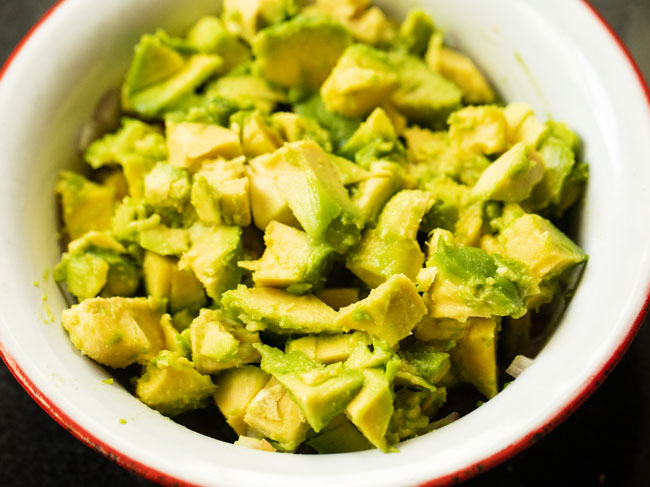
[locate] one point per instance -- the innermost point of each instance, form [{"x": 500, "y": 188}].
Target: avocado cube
[
  {"x": 436, "y": 331},
  {"x": 236, "y": 389},
  {"x": 293, "y": 128},
  {"x": 210, "y": 36},
  {"x": 167, "y": 187},
  {"x": 213, "y": 258},
  {"x": 171, "y": 385},
  {"x": 327, "y": 349},
  {"x": 475, "y": 356},
  {"x": 339, "y": 436},
  {"x": 153, "y": 61},
  {"x": 361, "y": 80},
  {"x": 115, "y": 331},
  {"x": 391, "y": 247},
  {"x": 278, "y": 311},
  {"x": 371, "y": 194},
  {"x": 478, "y": 129},
  {"x": 164, "y": 280},
  {"x": 512, "y": 177},
  {"x": 247, "y": 17},
  {"x": 291, "y": 259},
  {"x": 85, "y": 205},
  {"x": 301, "y": 51},
  {"x": 267, "y": 203},
  {"x": 318, "y": 199},
  {"x": 410, "y": 418},
  {"x": 338, "y": 298},
  {"x": 522, "y": 126},
  {"x": 274, "y": 415},
  {"x": 220, "y": 343},
  {"x": 544, "y": 250},
  {"x": 247, "y": 91},
  {"x": 164, "y": 240},
  {"x": 339, "y": 126},
  {"x": 255, "y": 443},
  {"x": 189, "y": 143},
  {"x": 423, "y": 96},
  {"x": 415, "y": 32},
  {"x": 258, "y": 137},
  {"x": 372, "y": 408},
  {"x": 321, "y": 392},
  {"x": 390, "y": 311},
  {"x": 349, "y": 172},
  {"x": 422, "y": 366}
]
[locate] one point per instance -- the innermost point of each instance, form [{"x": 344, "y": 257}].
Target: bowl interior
[{"x": 530, "y": 51}]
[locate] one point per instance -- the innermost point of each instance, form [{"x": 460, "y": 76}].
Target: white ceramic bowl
[{"x": 573, "y": 68}]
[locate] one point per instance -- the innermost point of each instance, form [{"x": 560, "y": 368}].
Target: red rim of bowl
[{"x": 462, "y": 475}]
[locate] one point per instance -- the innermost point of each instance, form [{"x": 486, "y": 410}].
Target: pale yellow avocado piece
[
  {"x": 172, "y": 338},
  {"x": 189, "y": 143},
  {"x": 245, "y": 90},
  {"x": 475, "y": 356},
  {"x": 512, "y": 177},
  {"x": 543, "y": 249},
  {"x": 167, "y": 187},
  {"x": 392, "y": 247},
  {"x": 439, "y": 330},
  {"x": 210, "y": 36},
  {"x": 390, "y": 311},
  {"x": 522, "y": 125},
  {"x": 279, "y": 311},
  {"x": 220, "y": 343},
  {"x": 293, "y": 127},
  {"x": 258, "y": 137},
  {"x": 163, "y": 280},
  {"x": 339, "y": 298},
  {"x": 461, "y": 70},
  {"x": 115, "y": 331},
  {"x": 247, "y": 17},
  {"x": 301, "y": 51},
  {"x": 171, "y": 385},
  {"x": 328, "y": 349},
  {"x": 85, "y": 205},
  {"x": 267, "y": 203},
  {"x": 361, "y": 80},
  {"x": 213, "y": 259},
  {"x": 348, "y": 171},
  {"x": 255, "y": 443},
  {"x": 236, "y": 389},
  {"x": 478, "y": 129},
  {"x": 164, "y": 240},
  {"x": 273, "y": 415},
  {"x": 469, "y": 225},
  {"x": 290, "y": 258},
  {"x": 372, "y": 193},
  {"x": 372, "y": 408}
]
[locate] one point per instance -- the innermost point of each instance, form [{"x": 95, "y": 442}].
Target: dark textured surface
[{"x": 606, "y": 443}]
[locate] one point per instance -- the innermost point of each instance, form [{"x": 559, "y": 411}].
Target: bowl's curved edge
[{"x": 463, "y": 475}]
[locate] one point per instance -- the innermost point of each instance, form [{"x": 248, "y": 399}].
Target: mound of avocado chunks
[{"x": 318, "y": 219}]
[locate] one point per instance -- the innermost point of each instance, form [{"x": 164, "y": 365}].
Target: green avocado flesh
[{"x": 319, "y": 221}]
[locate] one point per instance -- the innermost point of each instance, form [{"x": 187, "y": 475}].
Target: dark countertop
[{"x": 605, "y": 443}]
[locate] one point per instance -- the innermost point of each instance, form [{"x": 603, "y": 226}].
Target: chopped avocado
[
  {"x": 267, "y": 203},
  {"x": 327, "y": 349},
  {"x": 339, "y": 297},
  {"x": 371, "y": 194},
  {"x": 164, "y": 280},
  {"x": 543, "y": 250},
  {"x": 210, "y": 36},
  {"x": 475, "y": 355},
  {"x": 375, "y": 140},
  {"x": 340, "y": 127},
  {"x": 390, "y": 311},
  {"x": 85, "y": 205},
  {"x": 174, "y": 341},
  {"x": 512, "y": 177},
  {"x": 469, "y": 225},
  {"x": 220, "y": 343},
  {"x": 321, "y": 392},
  {"x": 189, "y": 143},
  {"x": 255, "y": 443},
  {"x": 436, "y": 331},
  {"x": 247, "y": 17},
  {"x": 167, "y": 186},
  {"x": 247, "y": 91},
  {"x": 317, "y": 198},
  {"x": 291, "y": 260},
  {"x": 479, "y": 129},
  {"x": 213, "y": 258},
  {"x": 279, "y": 311},
  {"x": 164, "y": 240},
  {"x": 301, "y": 51},
  {"x": 423, "y": 95},
  {"x": 339, "y": 436},
  {"x": 425, "y": 361},
  {"x": 236, "y": 389},
  {"x": 96, "y": 263},
  {"x": 171, "y": 385},
  {"x": 472, "y": 283},
  {"x": 461, "y": 70},
  {"x": 391, "y": 247},
  {"x": 371, "y": 410},
  {"x": 361, "y": 80},
  {"x": 522, "y": 126},
  {"x": 115, "y": 331},
  {"x": 258, "y": 136},
  {"x": 293, "y": 127},
  {"x": 274, "y": 415},
  {"x": 410, "y": 418},
  {"x": 349, "y": 172},
  {"x": 415, "y": 32}
]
